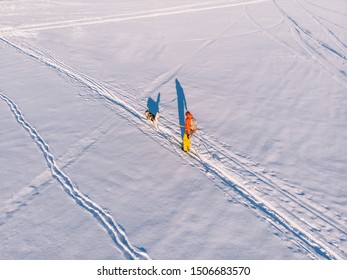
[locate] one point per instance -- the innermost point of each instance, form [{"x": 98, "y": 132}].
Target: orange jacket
[{"x": 189, "y": 116}]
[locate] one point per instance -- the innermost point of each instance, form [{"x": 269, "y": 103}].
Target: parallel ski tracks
[
  {"x": 115, "y": 231},
  {"x": 232, "y": 177},
  {"x": 188, "y": 8},
  {"x": 247, "y": 182},
  {"x": 38, "y": 184},
  {"x": 258, "y": 177},
  {"x": 320, "y": 51},
  {"x": 253, "y": 188},
  {"x": 282, "y": 196},
  {"x": 330, "y": 33}
]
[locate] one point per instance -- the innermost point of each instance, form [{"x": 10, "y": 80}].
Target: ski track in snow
[
  {"x": 275, "y": 200},
  {"x": 172, "y": 73},
  {"x": 39, "y": 184},
  {"x": 132, "y": 16},
  {"x": 254, "y": 189},
  {"x": 342, "y": 46},
  {"x": 325, "y": 8},
  {"x": 324, "y": 53},
  {"x": 104, "y": 218}
]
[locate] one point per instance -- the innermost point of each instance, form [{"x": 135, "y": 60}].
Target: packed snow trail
[
  {"x": 105, "y": 219},
  {"x": 242, "y": 183},
  {"x": 275, "y": 200},
  {"x": 327, "y": 55},
  {"x": 189, "y": 8},
  {"x": 228, "y": 172},
  {"x": 38, "y": 184},
  {"x": 234, "y": 174}
]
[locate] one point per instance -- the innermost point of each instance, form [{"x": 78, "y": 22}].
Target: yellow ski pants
[{"x": 186, "y": 143}]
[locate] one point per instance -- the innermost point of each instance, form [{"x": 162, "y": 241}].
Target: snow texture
[{"x": 84, "y": 174}]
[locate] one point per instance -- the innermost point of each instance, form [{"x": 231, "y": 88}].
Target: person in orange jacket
[{"x": 190, "y": 128}]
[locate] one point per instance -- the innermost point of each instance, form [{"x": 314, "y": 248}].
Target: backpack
[{"x": 193, "y": 125}]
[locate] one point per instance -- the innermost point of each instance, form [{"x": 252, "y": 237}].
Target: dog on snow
[{"x": 152, "y": 118}]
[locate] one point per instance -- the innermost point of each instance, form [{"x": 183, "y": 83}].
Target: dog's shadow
[{"x": 152, "y": 105}]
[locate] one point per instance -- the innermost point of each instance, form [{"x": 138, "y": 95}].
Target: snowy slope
[{"x": 84, "y": 176}]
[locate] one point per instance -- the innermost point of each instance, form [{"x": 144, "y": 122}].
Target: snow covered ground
[{"x": 84, "y": 176}]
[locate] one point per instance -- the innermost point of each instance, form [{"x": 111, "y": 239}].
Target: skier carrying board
[{"x": 190, "y": 128}]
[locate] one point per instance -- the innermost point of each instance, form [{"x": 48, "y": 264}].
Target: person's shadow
[
  {"x": 152, "y": 105},
  {"x": 182, "y": 106}
]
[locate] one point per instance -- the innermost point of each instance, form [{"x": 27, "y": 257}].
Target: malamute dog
[{"x": 152, "y": 118}]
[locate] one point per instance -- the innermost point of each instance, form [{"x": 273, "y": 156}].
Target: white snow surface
[{"x": 83, "y": 174}]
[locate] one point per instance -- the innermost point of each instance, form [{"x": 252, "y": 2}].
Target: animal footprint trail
[
  {"x": 38, "y": 184},
  {"x": 115, "y": 231},
  {"x": 230, "y": 175}
]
